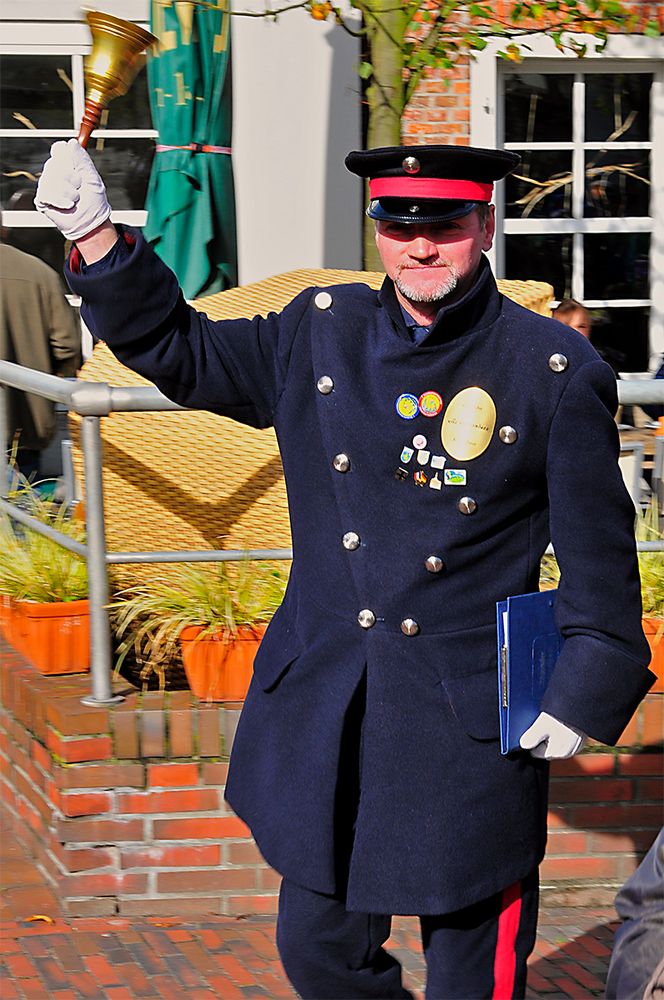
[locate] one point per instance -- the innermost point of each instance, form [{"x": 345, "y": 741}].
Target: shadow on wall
[{"x": 343, "y": 205}]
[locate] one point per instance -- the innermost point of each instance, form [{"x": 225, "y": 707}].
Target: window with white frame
[
  {"x": 41, "y": 101},
  {"x": 584, "y": 209}
]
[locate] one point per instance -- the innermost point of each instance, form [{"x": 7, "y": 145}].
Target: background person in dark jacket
[
  {"x": 434, "y": 436},
  {"x": 38, "y": 329}
]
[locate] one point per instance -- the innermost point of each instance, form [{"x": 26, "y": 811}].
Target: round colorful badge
[
  {"x": 430, "y": 403},
  {"x": 407, "y": 406}
]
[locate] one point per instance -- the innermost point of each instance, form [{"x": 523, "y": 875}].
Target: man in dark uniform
[{"x": 434, "y": 437}]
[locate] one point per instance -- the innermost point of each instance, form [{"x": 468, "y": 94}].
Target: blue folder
[{"x": 529, "y": 644}]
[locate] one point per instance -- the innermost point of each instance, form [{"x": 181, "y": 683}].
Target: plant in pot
[
  {"x": 215, "y": 615},
  {"x": 651, "y": 568},
  {"x": 44, "y": 609}
]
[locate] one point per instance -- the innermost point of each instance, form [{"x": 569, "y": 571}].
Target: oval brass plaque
[{"x": 468, "y": 424}]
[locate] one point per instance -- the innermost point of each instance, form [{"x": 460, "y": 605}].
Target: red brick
[
  {"x": 653, "y": 720},
  {"x": 209, "y": 731},
  {"x": 107, "y": 884},
  {"x": 637, "y": 764},
  {"x": 125, "y": 732},
  {"x": 602, "y": 867},
  {"x": 19, "y": 966},
  {"x": 240, "y": 905},
  {"x": 70, "y": 718},
  {"x": 186, "y": 905},
  {"x": 624, "y": 815},
  {"x": 200, "y": 828},
  {"x": 109, "y": 776},
  {"x": 566, "y": 842},
  {"x": 588, "y": 763},
  {"x": 617, "y": 841},
  {"x": 650, "y": 788},
  {"x": 41, "y": 756},
  {"x": 90, "y": 908},
  {"x": 631, "y": 735},
  {"x": 81, "y": 859},
  {"x": 214, "y": 773},
  {"x": 172, "y": 775},
  {"x": 74, "y": 751},
  {"x": 153, "y": 736},
  {"x": 171, "y": 857},
  {"x": 99, "y": 831},
  {"x": 243, "y": 854},
  {"x": 218, "y": 880},
  {"x": 86, "y": 803},
  {"x": 180, "y": 732},
  {"x": 189, "y": 800},
  {"x": 591, "y": 790},
  {"x": 102, "y": 970},
  {"x": 268, "y": 880}
]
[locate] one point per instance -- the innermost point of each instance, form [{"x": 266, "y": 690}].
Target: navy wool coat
[{"x": 385, "y": 543}]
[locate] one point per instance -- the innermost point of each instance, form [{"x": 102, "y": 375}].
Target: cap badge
[
  {"x": 413, "y": 209},
  {"x": 411, "y": 165}
]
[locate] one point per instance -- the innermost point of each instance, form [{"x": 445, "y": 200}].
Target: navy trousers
[
  {"x": 327, "y": 952},
  {"x": 478, "y": 952}
]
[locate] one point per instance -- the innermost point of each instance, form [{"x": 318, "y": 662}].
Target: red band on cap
[{"x": 429, "y": 187}]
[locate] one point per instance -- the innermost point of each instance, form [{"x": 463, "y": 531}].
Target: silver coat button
[
  {"x": 325, "y": 384},
  {"x": 467, "y": 505},
  {"x": 409, "y": 626},
  {"x": 323, "y": 300},
  {"x": 558, "y": 362},
  {"x": 411, "y": 165},
  {"x": 366, "y": 618},
  {"x": 507, "y": 434},
  {"x": 351, "y": 541},
  {"x": 434, "y": 564},
  {"x": 341, "y": 462}
]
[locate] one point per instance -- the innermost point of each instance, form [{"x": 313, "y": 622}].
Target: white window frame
[
  {"x": 623, "y": 54},
  {"x": 37, "y": 35}
]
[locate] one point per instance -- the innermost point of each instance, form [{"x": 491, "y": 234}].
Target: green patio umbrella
[{"x": 191, "y": 198}]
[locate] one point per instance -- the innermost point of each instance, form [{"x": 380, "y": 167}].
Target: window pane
[
  {"x": 37, "y": 87},
  {"x": 621, "y": 337},
  {"x": 616, "y": 265},
  {"x": 538, "y": 108},
  {"x": 546, "y": 191},
  {"x": 132, "y": 110},
  {"x": 617, "y": 183},
  {"x": 124, "y": 165},
  {"x": 47, "y": 244},
  {"x": 615, "y": 102},
  {"x": 21, "y": 162},
  {"x": 541, "y": 258}
]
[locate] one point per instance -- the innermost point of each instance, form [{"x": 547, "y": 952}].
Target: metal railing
[{"x": 94, "y": 400}]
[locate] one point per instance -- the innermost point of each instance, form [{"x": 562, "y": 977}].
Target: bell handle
[{"x": 89, "y": 122}]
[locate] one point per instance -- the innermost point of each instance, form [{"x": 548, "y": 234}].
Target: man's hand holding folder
[{"x": 529, "y": 644}]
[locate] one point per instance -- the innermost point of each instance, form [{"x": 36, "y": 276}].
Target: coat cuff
[{"x": 596, "y": 688}]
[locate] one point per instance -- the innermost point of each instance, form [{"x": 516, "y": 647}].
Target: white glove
[
  {"x": 551, "y": 739},
  {"x": 70, "y": 191}
]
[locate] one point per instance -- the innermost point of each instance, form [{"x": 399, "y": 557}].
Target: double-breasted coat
[{"x": 397, "y": 567}]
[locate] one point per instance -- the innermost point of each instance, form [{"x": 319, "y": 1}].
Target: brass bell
[{"x": 110, "y": 68}]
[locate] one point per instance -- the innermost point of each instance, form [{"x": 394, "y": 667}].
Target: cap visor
[{"x": 400, "y": 210}]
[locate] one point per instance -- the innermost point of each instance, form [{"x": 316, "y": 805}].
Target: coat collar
[{"x": 478, "y": 308}]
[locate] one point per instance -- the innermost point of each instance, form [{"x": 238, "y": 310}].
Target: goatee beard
[{"x": 447, "y": 284}]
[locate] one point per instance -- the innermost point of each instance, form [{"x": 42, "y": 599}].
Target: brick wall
[
  {"x": 439, "y": 112},
  {"x": 123, "y": 807}
]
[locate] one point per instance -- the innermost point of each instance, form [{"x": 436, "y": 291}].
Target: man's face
[{"x": 431, "y": 262}]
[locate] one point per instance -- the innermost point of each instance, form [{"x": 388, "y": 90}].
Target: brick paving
[{"x": 115, "y": 958}]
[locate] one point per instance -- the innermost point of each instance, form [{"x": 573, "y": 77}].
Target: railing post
[
  {"x": 4, "y": 431},
  {"x": 100, "y": 630}
]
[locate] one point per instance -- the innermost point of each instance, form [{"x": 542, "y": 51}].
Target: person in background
[
  {"x": 574, "y": 314},
  {"x": 38, "y": 329},
  {"x": 636, "y": 969}
]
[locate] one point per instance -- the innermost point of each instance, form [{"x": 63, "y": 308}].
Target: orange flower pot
[
  {"x": 219, "y": 668},
  {"x": 654, "y": 630},
  {"x": 55, "y": 637}
]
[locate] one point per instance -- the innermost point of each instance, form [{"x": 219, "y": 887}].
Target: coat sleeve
[
  {"x": 601, "y": 675},
  {"x": 64, "y": 332},
  {"x": 232, "y": 367}
]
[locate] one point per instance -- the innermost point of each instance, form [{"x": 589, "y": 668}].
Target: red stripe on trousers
[{"x": 504, "y": 964}]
